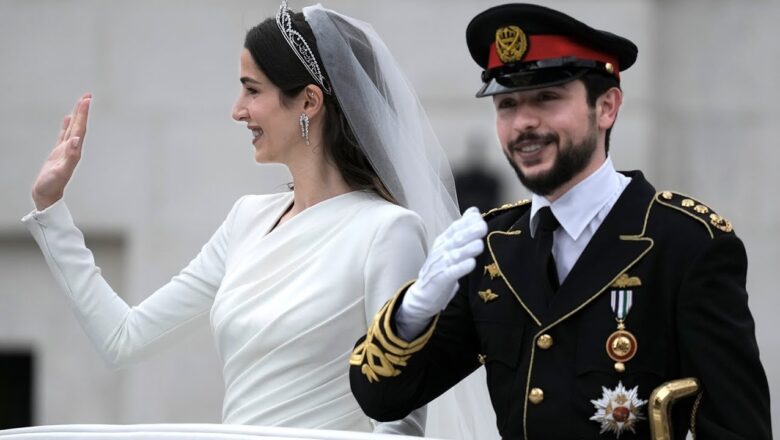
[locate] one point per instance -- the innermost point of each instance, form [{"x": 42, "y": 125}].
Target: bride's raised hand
[{"x": 58, "y": 168}]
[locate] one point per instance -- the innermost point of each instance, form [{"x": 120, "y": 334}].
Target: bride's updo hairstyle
[{"x": 274, "y": 56}]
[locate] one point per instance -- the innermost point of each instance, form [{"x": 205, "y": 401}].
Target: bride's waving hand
[{"x": 58, "y": 168}]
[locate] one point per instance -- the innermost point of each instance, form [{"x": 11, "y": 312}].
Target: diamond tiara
[{"x": 299, "y": 46}]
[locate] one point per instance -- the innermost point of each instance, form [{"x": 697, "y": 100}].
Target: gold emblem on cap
[
  {"x": 511, "y": 44},
  {"x": 609, "y": 68}
]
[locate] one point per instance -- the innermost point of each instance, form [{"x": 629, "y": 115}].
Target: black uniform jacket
[{"x": 546, "y": 358}]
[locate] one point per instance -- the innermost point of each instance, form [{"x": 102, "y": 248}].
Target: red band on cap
[{"x": 544, "y": 47}]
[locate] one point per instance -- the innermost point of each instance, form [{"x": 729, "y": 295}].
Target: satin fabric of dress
[{"x": 285, "y": 304}]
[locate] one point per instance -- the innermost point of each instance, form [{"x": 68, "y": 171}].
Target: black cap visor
[{"x": 536, "y": 74}]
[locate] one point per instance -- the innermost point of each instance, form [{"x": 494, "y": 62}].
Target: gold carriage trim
[
  {"x": 715, "y": 223},
  {"x": 660, "y": 405},
  {"x": 382, "y": 353}
]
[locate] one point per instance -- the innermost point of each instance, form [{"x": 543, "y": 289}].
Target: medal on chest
[
  {"x": 618, "y": 410},
  {"x": 621, "y": 345}
]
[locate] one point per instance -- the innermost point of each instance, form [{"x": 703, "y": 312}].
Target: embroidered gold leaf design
[
  {"x": 373, "y": 360},
  {"x": 382, "y": 353}
]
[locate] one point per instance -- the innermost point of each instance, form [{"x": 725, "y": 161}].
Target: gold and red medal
[{"x": 621, "y": 344}]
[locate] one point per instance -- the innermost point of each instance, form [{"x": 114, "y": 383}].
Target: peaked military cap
[{"x": 525, "y": 46}]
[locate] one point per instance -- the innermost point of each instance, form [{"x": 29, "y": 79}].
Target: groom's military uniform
[{"x": 657, "y": 294}]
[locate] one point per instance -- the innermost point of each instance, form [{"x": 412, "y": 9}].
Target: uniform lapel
[
  {"x": 617, "y": 245},
  {"x": 512, "y": 251}
]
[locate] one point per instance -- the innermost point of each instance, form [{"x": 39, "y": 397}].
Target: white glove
[{"x": 451, "y": 258}]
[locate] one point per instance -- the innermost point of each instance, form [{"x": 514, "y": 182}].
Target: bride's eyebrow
[{"x": 246, "y": 79}]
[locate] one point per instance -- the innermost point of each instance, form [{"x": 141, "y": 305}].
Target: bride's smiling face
[{"x": 274, "y": 126}]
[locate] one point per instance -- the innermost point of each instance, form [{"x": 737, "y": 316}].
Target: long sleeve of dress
[
  {"x": 122, "y": 333},
  {"x": 396, "y": 255}
]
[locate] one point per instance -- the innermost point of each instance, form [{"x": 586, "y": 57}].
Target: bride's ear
[{"x": 313, "y": 100}]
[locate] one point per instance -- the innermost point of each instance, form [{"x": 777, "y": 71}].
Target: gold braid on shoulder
[
  {"x": 714, "y": 223},
  {"x": 495, "y": 211}
]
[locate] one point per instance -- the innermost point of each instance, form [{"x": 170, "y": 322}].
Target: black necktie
[{"x": 549, "y": 274}]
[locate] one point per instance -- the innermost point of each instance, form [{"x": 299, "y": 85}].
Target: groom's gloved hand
[{"x": 451, "y": 257}]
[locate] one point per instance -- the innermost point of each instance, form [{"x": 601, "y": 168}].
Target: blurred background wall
[{"x": 163, "y": 162}]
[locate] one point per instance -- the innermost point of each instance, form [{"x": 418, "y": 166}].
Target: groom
[{"x": 583, "y": 300}]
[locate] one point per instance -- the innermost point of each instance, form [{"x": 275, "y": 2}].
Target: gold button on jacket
[
  {"x": 536, "y": 396},
  {"x": 544, "y": 341}
]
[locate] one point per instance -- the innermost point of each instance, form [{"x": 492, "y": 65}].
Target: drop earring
[{"x": 304, "y": 121}]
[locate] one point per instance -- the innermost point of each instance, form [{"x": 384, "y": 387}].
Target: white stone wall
[
  {"x": 164, "y": 162},
  {"x": 716, "y": 107}
]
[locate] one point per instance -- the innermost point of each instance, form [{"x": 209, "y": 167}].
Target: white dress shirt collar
[{"x": 578, "y": 206}]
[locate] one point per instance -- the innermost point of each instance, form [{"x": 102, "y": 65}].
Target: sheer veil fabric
[
  {"x": 386, "y": 116},
  {"x": 393, "y": 129}
]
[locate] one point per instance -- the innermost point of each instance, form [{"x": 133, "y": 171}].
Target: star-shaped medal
[{"x": 618, "y": 410}]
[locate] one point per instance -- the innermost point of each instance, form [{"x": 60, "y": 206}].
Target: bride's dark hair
[{"x": 274, "y": 56}]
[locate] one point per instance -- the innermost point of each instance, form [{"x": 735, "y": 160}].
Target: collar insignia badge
[
  {"x": 492, "y": 270},
  {"x": 618, "y": 410},
  {"x": 487, "y": 295}
]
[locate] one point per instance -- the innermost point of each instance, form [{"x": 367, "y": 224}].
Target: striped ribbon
[{"x": 621, "y": 303}]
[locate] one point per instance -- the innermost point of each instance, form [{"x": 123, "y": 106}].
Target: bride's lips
[{"x": 256, "y": 133}]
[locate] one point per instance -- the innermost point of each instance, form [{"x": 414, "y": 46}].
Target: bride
[{"x": 288, "y": 280}]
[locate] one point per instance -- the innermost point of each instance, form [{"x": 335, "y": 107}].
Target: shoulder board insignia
[
  {"x": 688, "y": 205},
  {"x": 495, "y": 211}
]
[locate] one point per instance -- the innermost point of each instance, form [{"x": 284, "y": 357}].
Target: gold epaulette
[
  {"x": 715, "y": 224},
  {"x": 495, "y": 211},
  {"x": 382, "y": 352}
]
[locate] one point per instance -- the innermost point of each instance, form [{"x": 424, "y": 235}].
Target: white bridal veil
[
  {"x": 393, "y": 129},
  {"x": 386, "y": 116}
]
